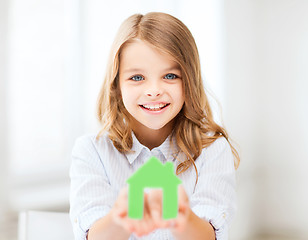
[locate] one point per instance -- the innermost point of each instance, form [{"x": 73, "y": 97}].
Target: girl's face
[{"x": 151, "y": 86}]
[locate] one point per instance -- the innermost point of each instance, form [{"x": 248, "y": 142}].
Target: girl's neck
[{"x": 153, "y": 138}]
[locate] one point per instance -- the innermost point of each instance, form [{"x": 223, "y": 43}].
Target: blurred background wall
[
  {"x": 254, "y": 56},
  {"x": 3, "y": 109},
  {"x": 266, "y": 82}
]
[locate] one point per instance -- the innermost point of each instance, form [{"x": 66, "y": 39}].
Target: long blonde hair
[{"x": 195, "y": 127}]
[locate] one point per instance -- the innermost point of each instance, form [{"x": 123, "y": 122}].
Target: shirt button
[
  {"x": 224, "y": 215},
  {"x": 75, "y": 220}
]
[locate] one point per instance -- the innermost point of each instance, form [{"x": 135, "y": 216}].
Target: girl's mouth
[{"x": 156, "y": 107}]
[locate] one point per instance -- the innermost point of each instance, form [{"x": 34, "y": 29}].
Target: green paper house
[{"x": 153, "y": 174}]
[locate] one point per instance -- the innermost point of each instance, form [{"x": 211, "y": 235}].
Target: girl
[{"x": 152, "y": 103}]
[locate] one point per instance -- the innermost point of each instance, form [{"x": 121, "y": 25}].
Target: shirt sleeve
[
  {"x": 91, "y": 196},
  {"x": 214, "y": 198}
]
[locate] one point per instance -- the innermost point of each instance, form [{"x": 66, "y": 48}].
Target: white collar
[{"x": 169, "y": 149}]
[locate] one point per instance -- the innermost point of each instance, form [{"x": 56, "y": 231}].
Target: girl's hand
[
  {"x": 177, "y": 224},
  {"x": 184, "y": 211},
  {"x": 120, "y": 216},
  {"x": 152, "y": 218}
]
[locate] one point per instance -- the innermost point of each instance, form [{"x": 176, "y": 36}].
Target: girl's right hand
[{"x": 119, "y": 215}]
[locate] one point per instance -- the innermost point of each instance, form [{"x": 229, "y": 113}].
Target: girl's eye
[
  {"x": 137, "y": 78},
  {"x": 171, "y": 76}
]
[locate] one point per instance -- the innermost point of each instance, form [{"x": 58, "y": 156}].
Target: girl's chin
[
  {"x": 158, "y": 126},
  {"x": 153, "y": 127}
]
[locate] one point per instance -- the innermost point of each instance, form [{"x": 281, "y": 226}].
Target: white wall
[
  {"x": 266, "y": 94},
  {"x": 285, "y": 129},
  {"x": 44, "y": 106},
  {"x": 3, "y": 108}
]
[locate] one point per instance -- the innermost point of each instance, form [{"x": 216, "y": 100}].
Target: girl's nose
[
  {"x": 153, "y": 94},
  {"x": 153, "y": 90}
]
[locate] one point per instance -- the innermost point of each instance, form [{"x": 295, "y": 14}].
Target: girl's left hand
[
  {"x": 178, "y": 224},
  {"x": 184, "y": 211}
]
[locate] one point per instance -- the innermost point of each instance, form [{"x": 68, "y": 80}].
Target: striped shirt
[{"x": 99, "y": 171}]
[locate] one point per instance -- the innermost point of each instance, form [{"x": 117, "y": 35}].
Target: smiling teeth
[{"x": 154, "y": 107}]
